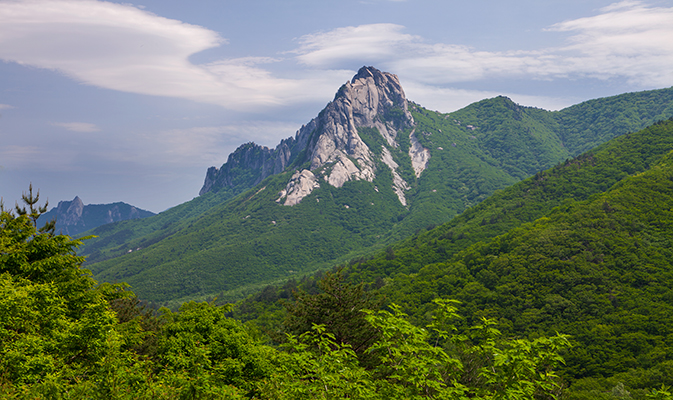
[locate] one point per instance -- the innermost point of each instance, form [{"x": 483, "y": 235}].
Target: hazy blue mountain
[{"x": 73, "y": 217}]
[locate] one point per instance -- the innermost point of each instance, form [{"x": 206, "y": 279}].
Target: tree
[
  {"x": 339, "y": 308},
  {"x": 419, "y": 363},
  {"x": 54, "y": 320}
]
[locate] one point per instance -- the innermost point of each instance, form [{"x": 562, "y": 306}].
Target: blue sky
[{"x": 114, "y": 101}]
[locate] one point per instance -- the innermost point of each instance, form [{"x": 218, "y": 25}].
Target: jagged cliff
[
  {"x": 331, "y": 148},
  {"x": 73, "y": 217}
]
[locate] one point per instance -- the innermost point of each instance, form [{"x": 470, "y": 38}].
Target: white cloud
[
  {"x": 450, "y": 99},
  {"x": 84, "y": 127},
  {"x": 5, "y": 107},
  {"x": 369, "y": 44},
  {"x": 121, "y": 47},
  {"x": 626, "y": 40},
  {"x": 197, "y": 147},
  {"x": 211, "y": 144}
]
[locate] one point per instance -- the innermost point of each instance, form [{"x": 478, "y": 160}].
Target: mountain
[
  {"x": 73, "y": 217},
  {"x": 596, "y": 267},
  {"x": 332, "y": 144},
  {"x": 370, "y": 169},
  {"x": 583, "y": 248}
]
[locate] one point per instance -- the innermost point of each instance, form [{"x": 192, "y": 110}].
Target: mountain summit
[
  {"x": 330, "y": 146},
  {"x": 371, "y": 168}
]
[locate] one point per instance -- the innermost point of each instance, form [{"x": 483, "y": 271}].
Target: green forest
[
  {"x": 583, "y": 249},
  {"x": 233, "y": 242},
  {"x": 62, "y": 336},
  {"x": 555, "y": 286}
]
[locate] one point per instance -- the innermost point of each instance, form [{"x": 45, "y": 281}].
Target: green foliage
[
  {"x": 231, "y": 247},
  {"x": 412, "y": 367},
  {"x": 201, "y": 343},
  {"x": 54, "y": 324},
  {"x": 63, "y": 337},
  {"x": 597, "y": 266},
  {"x": 338, "y": 308}
]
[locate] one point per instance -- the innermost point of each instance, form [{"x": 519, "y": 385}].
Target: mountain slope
[
  {"x": 597, "y": 266},
  {"x": 584, "y": 249},
  {"x": 577, "y": 179},
  {"x": 372, "y": 168},
  {"x": 599, "y": 270}
]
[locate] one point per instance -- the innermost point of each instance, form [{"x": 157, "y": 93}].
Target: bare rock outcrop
[
  {"x": 372, "y": 99},
  {"x": 329, "y": 147},
  {"x": 399, "y": 184},
  {"x": 420, "y": 156},
  {"x": 300, "y": 186}
]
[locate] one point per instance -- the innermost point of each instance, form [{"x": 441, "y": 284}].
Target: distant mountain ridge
[
  {"x": 73, "y": 217},
  {"x": 372, "y": 168}
]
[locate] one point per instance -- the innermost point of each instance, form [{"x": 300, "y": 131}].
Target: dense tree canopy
[{"x": 63, "y": 336}]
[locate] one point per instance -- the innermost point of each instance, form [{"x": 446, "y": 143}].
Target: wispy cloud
[
  {"x": 626, "y": 40},
  {"x": 83, "y": 127},
  {"x": 448, "y": 99},
  {"x": 121, "y": 47},
  {"x": 5, "y": 106},
  {"x": 18, "y": 155},
  {"x": 210, "y": 144},
  {"x": 125, "y": 48}
]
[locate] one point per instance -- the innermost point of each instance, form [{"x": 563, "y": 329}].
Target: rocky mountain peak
[
  {"x": 330, "y": 145},
  {"x": 375, "y": 94},
  {"x": 73, "y": 217},
  {"x": 337, "y": 153},
  {"x": 70, "y": 211}
]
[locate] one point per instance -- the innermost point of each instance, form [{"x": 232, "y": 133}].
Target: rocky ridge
[
  {"x": 73, "y": 217},
  {"x": 332, "y": 151}
]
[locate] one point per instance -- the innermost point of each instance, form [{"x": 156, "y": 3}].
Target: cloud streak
[
  {"x": 124, "y": 48},
  {"x": 626, "y": 40},
  {"x": 120, "y": 47},
  {"x": 83, "y": 127}
]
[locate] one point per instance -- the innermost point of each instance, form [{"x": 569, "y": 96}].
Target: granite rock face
[
  {"x": 419, "y": 155},
  {"x": 248, "y": 165},
  {"x": 329, "y": 149}
]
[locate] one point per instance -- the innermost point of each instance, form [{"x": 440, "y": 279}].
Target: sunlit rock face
[
  {"x": 419, "y": 155},
  {"x": 329, "y": 149},
  {"x": 372, "y": 99}
]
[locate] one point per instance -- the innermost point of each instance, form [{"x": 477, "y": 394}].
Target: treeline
[{"x": 62, "y": 336}]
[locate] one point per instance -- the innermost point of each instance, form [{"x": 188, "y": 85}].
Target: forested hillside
[
  {"x": 231, "y": 246},
  {"x": 584, "y": 248},
  {"x": 556, "y": 287},
  {"x": 64, "y": 337}
]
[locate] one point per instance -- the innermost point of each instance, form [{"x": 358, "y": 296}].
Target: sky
[{"x": 115, "y": 101}]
